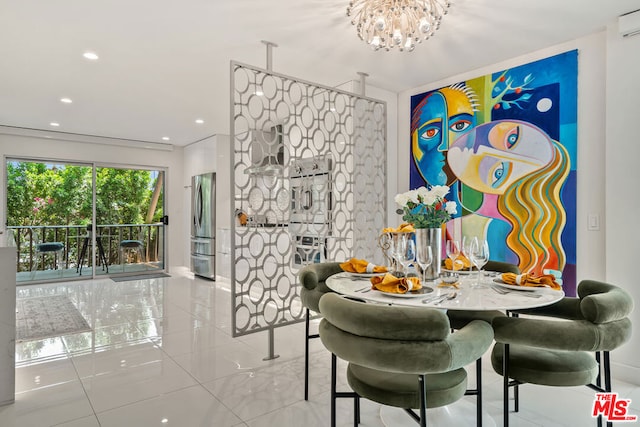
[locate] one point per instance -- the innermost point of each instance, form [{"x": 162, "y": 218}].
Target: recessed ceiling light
[
  {"x": 199, "y": 121},
  {"x": 90, "y": 55},
  {"x": 66, "y": 100},
  {"x": 165, "y": 138},
  {"x": 54, "y": 124}
]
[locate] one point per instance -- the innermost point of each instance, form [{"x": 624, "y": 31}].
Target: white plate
[
  {"x": 425, "y": 290},
  {"x": 364, "y": 275},
  {"x": 499, "y": 282}
]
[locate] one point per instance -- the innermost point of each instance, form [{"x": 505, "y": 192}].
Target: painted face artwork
[
  {"x": 494, "y": 155},
  {"x": 437, "y": 121}
]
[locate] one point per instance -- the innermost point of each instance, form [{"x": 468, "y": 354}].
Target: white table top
[{"x": 468, "y": 297}]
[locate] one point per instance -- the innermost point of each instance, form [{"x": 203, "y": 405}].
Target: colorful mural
[{"x": 506, "y": 145}]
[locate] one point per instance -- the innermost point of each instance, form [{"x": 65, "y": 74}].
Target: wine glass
[
  {"x": 466, "y": 246},
  {"x": 406, "y": 253},
  {"x": 453, "y": 252},
  {"x": 396, "y": 246},
  {"x": 424, "y": 258},
  {"x": 479, "y": 255}
]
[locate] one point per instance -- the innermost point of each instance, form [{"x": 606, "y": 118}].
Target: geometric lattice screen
[{"x": 308, "y": 170}]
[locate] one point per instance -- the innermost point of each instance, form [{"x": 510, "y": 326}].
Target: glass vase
[{"x": 431, "y": 237}]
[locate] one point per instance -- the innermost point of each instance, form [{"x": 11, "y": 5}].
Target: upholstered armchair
[
  {"x": 405, "y": 357},
  {"x": 558, "y": 348},
  {"x": 312, "y": 278}
]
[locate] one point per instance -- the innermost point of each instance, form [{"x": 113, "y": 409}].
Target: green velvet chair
[
  {"x": 406, "y": 357},
  {"x": 312, "y": 278},
  {"x": 560, "y": 351},
  {"x": 460, "y": 318}
]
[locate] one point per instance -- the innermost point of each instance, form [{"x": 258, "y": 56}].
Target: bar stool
[
  {"x": 42, "y": 249},
  {"x": 126, "y": 246},
  {"x": 83, "y": 252}
]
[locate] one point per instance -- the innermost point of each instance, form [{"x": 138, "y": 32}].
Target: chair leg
[
  {"x": 607, "y": 379},
  {"x": 356, "y": 411},
  {"x": 505, "y": 385},
  {"x": 423, "y": 400},
  {"x": 55, "y": 262},
  {"x": 479, "y": 392},
  {"x": 306, "y": 356},
  {"x": 34, "y": 267},
  {"x": 334, "y": 367}
]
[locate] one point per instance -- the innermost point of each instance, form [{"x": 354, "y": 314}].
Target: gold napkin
[
  {"x": 355, "y": 265},
  {"x": 462, "y": 263},
  {"x": 546, "y": 280},
  {"x": 395, "y": 285},
  {"x": 405, "y": 227}
]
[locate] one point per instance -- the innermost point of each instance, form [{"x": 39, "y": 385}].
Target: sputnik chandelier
[{"x": 385, "y": 24}]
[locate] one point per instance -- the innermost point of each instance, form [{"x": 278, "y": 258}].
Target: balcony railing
[{"x": 73, "y": 237}]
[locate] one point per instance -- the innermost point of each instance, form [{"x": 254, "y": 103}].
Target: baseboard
[{"x": 628, "y": 374}]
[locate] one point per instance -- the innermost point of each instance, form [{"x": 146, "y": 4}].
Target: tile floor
[{"x": 161, "y": 353}]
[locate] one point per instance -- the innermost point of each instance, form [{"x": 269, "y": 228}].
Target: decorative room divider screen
[{"x": 309, "y": 177}]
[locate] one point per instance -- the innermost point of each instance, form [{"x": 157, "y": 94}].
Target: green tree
[{"x": 47, "y": 194}]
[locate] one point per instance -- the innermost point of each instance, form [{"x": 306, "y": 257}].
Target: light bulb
[
  {"x": 397, "y": 37},
  {"x": 424, "y": 26}
]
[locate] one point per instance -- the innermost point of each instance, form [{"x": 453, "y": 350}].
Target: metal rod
[
  {"x": 505, "y": 385},
  {"x": 423, "y": 400},
  {"x": 270, "y": 47},
  {"x": 334, "y": 367},
  {"x": 271, "y": 355},
  {"x": 306, "y": 356},
  {"x": 479, "y": 392},
  {"x": 363, "y": 77}
]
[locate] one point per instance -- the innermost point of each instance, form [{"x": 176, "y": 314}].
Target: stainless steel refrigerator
[{"x": 203, "y": 225}]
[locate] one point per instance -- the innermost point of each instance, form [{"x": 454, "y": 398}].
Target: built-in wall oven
[
  {"x": 311, "y": 206},
  {"x": 308, "y": 250}
]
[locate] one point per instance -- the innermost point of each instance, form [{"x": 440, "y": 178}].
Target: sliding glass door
[
  {"x": 129, "y": 220},
  {"x": 71, "y": 220}
]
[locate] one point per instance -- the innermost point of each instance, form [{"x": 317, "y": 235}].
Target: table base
[{"x": 459, "y": 414}]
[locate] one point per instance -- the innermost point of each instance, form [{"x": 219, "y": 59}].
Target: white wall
[
  {"x": 210, "y": 155},
  {"x": 622, "y": 202},
  {"x": 391, "y": 98},
  {"x": 608, "y": 109},
  {"x": 117, "y": 153}
]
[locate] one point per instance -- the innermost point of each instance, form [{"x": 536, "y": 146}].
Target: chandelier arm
[{"x": 385, "y": 24}]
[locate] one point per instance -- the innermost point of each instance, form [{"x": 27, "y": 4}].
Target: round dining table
[{"x": 472, "y": 293}]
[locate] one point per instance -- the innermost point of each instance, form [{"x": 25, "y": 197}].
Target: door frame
[{"x": 94, "y": 165}]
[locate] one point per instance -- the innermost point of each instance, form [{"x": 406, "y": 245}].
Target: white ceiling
[{"x": 165, "y": 63}]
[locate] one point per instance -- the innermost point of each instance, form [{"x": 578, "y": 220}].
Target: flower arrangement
[{"x": 426, "y": 208}]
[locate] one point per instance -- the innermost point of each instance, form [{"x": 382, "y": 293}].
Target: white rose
[
  {"x": 429, "y": 198},
  {"x": 402, "y": 199},
  {"x": 422, "y": 192},
  {"x": 413, "y": 196},
  {"x": 440, "y": 190},
  {"x": 451, "y": 208}
]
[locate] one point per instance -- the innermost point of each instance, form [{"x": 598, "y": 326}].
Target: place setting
[{"x": 381, "y": 280}]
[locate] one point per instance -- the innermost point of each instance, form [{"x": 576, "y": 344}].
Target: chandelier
[{"x": 385, "y": 24}]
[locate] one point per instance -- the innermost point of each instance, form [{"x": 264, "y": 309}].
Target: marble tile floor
[{"x": 161, "y": 353}]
